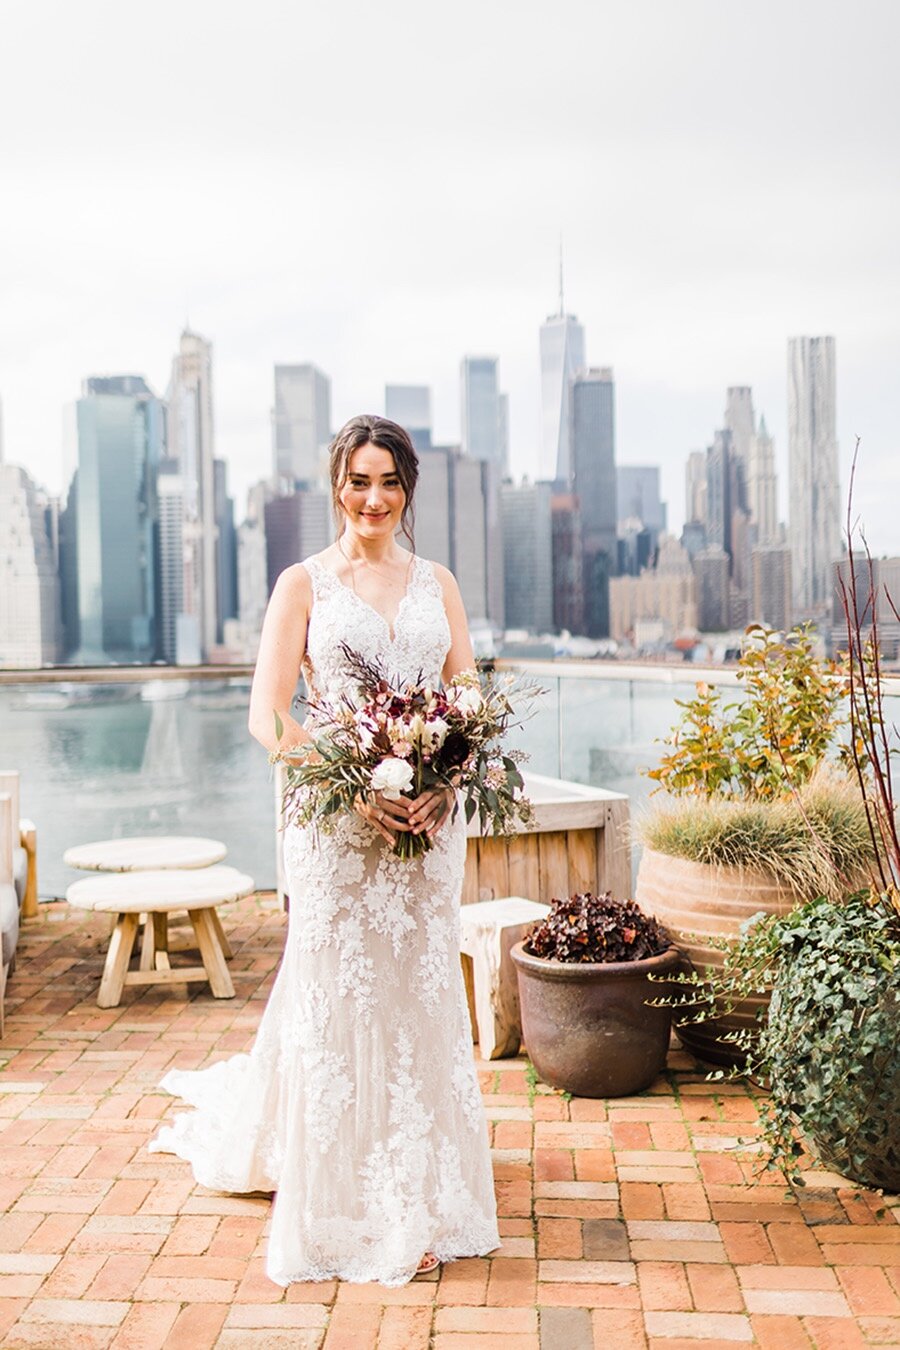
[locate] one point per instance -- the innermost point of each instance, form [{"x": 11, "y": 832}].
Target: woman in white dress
[{"x": 358, "y": 1103}]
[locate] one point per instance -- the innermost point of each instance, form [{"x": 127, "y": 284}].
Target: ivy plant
[{"x": 829, "y": 1050}]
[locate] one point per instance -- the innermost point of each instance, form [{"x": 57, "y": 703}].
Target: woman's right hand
[{"x": 388, "y": 817}]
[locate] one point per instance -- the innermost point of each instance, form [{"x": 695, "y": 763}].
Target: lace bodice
[{"x": 417, "y": 647}]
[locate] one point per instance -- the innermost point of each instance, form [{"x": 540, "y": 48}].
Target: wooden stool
[
  {"x": 145, "y": 853},
  {"x": 148, "y": 853},
  {"x": 487, "y": 931},
  {"x": 127, "y": 895}
]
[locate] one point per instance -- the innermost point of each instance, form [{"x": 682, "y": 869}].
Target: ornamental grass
[{"x": 817, "y": 842}]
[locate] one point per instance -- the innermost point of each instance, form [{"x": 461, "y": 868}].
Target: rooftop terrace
[{"x": 629, "y": 1223}]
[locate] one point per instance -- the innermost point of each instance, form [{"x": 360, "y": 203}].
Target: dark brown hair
[{"x": 368, "y": 429}]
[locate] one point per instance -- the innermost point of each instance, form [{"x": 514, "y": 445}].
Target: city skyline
[{"x": 291, "y": 223}]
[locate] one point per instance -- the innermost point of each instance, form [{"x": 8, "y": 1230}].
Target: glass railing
[
  {"x": 161, "y": 756},
  {"x": 602, "y": 724},
  {"x": 113, "y": 757}
]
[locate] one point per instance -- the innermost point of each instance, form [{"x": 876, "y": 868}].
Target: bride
[{"x": 358, "y": 1103}]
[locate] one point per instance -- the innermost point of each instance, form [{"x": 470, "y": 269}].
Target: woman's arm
[
  {"x": 281, "y": 650},
  {"x": 460, "y": 657}
]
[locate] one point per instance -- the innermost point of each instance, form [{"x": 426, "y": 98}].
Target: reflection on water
[
  {"x": 100, "y": 761},
  {"x": 106, "y": 768}
]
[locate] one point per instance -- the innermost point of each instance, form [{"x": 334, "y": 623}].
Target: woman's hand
[
  {"x": 388, "y": 817},
  {"x": 430, "y": 810}
]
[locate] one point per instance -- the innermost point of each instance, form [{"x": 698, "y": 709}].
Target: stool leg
[
  {"x": 117, "y": 958},
  {"x": 148, "y": 947},
  {"x": 160, "y": 939},
  {"x": 223, "y": 940},
  {"x": 211, "y": 953}
]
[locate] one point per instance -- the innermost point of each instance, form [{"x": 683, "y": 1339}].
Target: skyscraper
[
  {"x": 771, "y": 601},
  {"x": 226, "y": 550},
  {"x": 762, "y": 485},
  {"x": 170, "y": 491},
  {"x": 562, "y": 354},
  {"x": 740, "y": 420},
  {"x": 113, "y": 507},
  {"x": 295, "y": 527},
  {"x": 593, "y": 480},
  {"x": 457, "y": 511},
  {"x": 695, "y": 488},
  {"x": 525, "y": 513},
  {"x": 568, "y": 564},
  {"x": 191, "y": 444},
  {"x": 719, "y": 482},
  {"x": 815, "y": 531},
  {"x": 637, "y": 496},
  {"x": 409, "y": 405},
  {"x": 30, "y": 627},
  {"x": 301, "y": 424},
  {"x": 482, "y": 414},
  {"x": 713, "y": 589},
  {"x": 666, "y": 592}
]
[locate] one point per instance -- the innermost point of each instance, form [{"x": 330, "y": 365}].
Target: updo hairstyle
[{"x": 367, "y": 429}]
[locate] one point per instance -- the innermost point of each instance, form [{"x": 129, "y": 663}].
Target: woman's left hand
[{"x": 430, "y": 810}]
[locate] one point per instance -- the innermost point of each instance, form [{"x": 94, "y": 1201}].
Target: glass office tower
[{"x": 113, "y": 500}]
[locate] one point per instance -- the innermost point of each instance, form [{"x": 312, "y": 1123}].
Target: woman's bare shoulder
[{"x": 294, "y": 583}]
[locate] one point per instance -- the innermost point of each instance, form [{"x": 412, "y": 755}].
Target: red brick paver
[{"x": 626, "y": 1225}]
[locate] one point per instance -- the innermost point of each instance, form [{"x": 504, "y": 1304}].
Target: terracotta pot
[
  {"x": 696, "y": 901},
  {"x": 587, "y": 1026}
]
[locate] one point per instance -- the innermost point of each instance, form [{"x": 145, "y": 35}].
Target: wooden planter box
[{"x": 580, "y": 842}]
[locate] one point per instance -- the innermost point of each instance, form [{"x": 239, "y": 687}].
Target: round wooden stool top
[
  {"x": 143, "y": 853},
  {"x": 137, "y": 892}
]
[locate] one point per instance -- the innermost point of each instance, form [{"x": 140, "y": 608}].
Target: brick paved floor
[{"x": 625, "y": 1224}]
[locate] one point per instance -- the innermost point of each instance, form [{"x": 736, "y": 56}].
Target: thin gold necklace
[{"x": 349, "y": 561}]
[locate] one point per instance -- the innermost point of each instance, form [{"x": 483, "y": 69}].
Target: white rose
[
  {"x": 468, "y": 700},
  {"x": 392, "y": 777}
]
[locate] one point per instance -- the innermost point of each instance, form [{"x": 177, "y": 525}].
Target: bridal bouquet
[{"x": 402, "y": 739}]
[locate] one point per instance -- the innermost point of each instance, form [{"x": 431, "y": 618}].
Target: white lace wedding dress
[{"x": 358, "y": 1103}]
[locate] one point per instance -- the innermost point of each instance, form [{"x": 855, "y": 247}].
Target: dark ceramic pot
[{"x": 587, "y": 1026}]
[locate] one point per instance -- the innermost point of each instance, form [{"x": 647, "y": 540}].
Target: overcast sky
[{"x": 381, "y": 189}]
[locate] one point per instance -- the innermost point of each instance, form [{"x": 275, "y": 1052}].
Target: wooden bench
[
  {"x": 127, "y": 895},
  {"x": 487, "y": 931}
]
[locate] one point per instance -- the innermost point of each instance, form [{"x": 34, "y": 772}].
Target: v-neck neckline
[{"x": 390, "y": 626}]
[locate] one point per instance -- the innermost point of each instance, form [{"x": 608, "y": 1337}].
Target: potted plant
[
  {"x": 584, "y": 994},
  {"x": 828, "y": 1050},
  {"x": 761, "y": 814}
]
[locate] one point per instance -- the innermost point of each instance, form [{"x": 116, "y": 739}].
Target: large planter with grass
[
  {"x": 708, "y": 867},
  {"x": 698, "y": 904}
]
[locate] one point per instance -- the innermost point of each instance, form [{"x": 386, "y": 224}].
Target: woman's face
[{"x": 372, "y": 496}]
